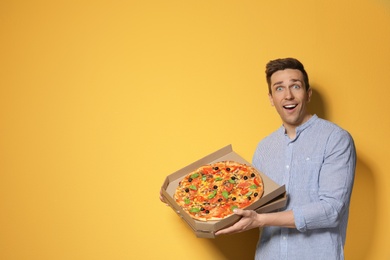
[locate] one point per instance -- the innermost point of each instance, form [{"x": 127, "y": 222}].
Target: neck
[{"x": 291, "y": 130}]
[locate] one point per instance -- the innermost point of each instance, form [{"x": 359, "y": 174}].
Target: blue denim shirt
[{"x": 318, "y": 168}]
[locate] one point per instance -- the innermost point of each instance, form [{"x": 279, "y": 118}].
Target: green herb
[
  {"x": 225, "y": 194},
  {"x": 194, "y": 210},
  {"x": 195, "y": 175},
  {"x": 233, "y": 207},
  {"x": 253, "y": 186},
  {"x": 204, "y": 177},
  {"x": 212, "y": 195},
  {"x": 193, "y": 187},
  {"x": 231, "y": 181},
  {"x": 218, "y": 179},
  {"x": 249, "y": 193},
  {"x": 187, "y": 201}
]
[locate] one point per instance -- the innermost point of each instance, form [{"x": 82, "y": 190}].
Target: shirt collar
[{"x": 302, "y": 127}]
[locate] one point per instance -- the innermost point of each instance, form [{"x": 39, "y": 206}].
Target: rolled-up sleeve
[{"x": 335, "y": 182}]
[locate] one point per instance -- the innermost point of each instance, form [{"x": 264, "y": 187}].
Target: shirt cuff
[{"x": 300, "y": 223}]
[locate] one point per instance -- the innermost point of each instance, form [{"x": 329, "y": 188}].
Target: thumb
[
  {"x": 242, "y": 212},
  {"x": 239, "y": 212}
]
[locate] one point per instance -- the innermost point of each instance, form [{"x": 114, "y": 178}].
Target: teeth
[{"x": 290, "y": 106}]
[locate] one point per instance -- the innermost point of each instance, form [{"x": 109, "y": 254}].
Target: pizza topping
[
  {"x": 225, "y": 194},
  {"x": 212, "y": 195},
  {"x": 195, "y": 175},
  {"x": 212, "y": 192}
]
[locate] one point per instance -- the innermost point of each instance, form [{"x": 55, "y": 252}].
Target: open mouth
[{"x": 290, "y": 107}]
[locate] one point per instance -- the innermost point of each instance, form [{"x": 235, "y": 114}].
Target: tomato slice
[
  {"x": 233, "y": 168},
  {"x": 256, "y": 181},
  {"x": 207, "y": 170},
  {"x": 200, "y": 198},
  {"x": 196, "y": 182},
  {"x": 244, "y": 191},
  {"x": 229, "y": 187},
  {"x": 244, "y": 203},
  {"x": 222, "y": 211},
  {"x": 215, "y": 199},
  {"x": 243, "y": 185}
]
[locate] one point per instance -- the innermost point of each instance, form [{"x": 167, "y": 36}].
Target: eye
[
  {"x": 296, "y": 86},
  {"x": 279, "y": 88}
]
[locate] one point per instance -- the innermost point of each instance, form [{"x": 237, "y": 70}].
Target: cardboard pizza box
[{"x": 274, "y": 196}]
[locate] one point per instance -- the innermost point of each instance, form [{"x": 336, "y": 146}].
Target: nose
[{"x": 288, "y": 94}]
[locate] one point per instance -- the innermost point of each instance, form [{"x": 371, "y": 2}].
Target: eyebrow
[{"x": 292, "y": 80}]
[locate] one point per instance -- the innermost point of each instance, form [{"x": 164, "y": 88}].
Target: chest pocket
[{"x": 305, "y": 173}]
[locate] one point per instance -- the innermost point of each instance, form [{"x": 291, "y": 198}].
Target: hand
[
  {"x": 249, "y": 220},
  {"x": 162, "y": 198}
]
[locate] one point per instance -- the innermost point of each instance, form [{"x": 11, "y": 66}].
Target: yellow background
[{"x": 100, "y": 100}]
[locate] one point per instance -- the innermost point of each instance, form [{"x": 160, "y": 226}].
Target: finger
[
  {"x": 242, "y": 212},
  {"x": 162, "y": 198},
  {"x": 230, "y": 230},
  {"x": 236, "y": 228}
]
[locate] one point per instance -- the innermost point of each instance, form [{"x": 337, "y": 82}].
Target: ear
[
  {"x": 309, "y": 92},
  {"x": 271, "y": 99}
]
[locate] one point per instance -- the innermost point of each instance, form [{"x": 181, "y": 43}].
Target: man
[{"x": 316, "y": 161}]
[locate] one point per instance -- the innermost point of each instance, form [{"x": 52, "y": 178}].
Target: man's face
[{"x": 289, "y": 97}]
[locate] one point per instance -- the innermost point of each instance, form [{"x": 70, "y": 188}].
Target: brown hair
[{"x": 282, "y": 64}]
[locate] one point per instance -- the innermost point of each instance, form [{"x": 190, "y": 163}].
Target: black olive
[
  {"x": 190, "y": 179},
  {"x": 201, "y": 209},
  {"x": 228, "y": 169},
  {"x": 215, "y": 168},
  {"x": 256, "y": 194},
  {"x": 234, "y": 198},
  {"x": 245, "y": 177},
  {"x": 249, "y": 198},
  {"x": 233, "y": 178},
  {"x": 253, "y": 175},
  {"x": 215, "y": 187},
  {"x": 219, "y": 200},
  {"x": 207, "y": 211},
  {"x": 187, "y": 190}
]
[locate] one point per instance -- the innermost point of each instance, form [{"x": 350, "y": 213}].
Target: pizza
[{"x": 213, "y": 191}]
